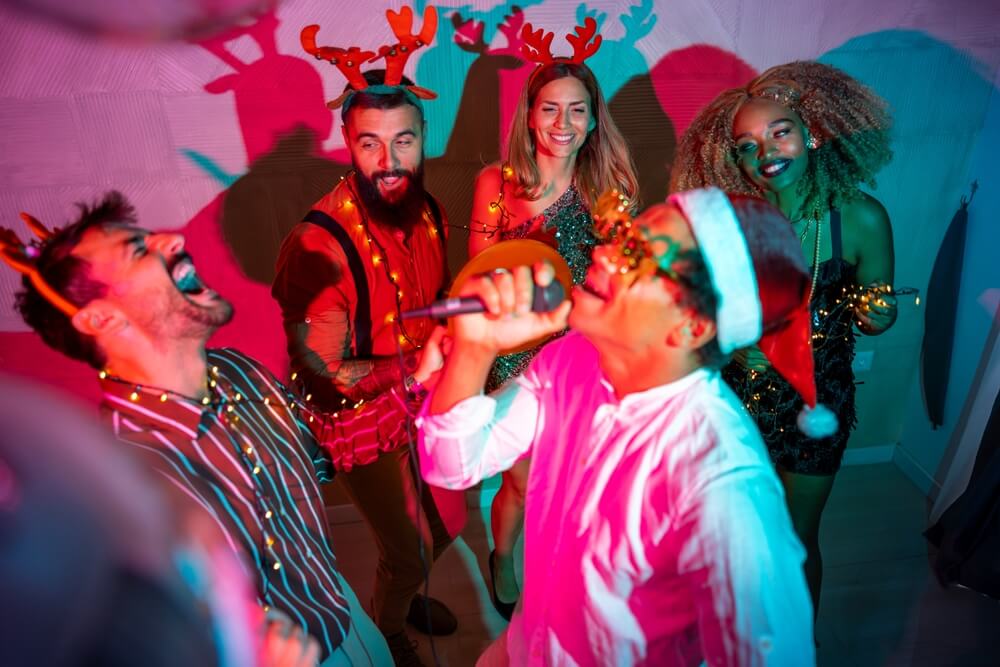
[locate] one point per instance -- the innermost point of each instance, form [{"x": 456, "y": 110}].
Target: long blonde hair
[
  {"x": 848, "y": 121},
  {"x": 604, "y": 161}
]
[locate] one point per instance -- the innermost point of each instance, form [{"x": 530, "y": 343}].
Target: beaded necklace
[{"x": 816, "y": 244}]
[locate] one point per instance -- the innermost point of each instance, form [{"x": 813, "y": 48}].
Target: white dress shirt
[{"x": 656, "y": 531}]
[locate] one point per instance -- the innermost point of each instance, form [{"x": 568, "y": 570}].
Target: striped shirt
[{"x": 250, "y": 461}]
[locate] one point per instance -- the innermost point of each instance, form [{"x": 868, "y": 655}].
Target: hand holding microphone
[{"x": 503, "y": 309}]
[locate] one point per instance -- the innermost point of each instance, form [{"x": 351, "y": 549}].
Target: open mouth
[
  {"x": 775, "y": 168},
  {"x": 562, "y": 139},
  {"x": 186, "y": 278},
  {"x": 390, "y": 180}
]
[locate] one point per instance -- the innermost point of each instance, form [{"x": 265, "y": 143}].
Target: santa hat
[{"x": 761, "y": 286}]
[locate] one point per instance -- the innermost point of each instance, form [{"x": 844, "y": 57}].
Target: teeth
[
  {"x": 774, "y": 167},
  {"x": 181, "y": 271}
]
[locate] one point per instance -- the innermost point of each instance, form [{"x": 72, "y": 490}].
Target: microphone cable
[{"x": 415, "y": 461}]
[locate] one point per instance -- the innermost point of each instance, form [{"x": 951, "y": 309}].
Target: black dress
[{"x": 772, "y": 401}]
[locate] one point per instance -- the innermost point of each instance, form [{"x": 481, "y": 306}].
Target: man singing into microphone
[
  {"x": 369, "y": 250},
  {"x": 656, "y": 531}
]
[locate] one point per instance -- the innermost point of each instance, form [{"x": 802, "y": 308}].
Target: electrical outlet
[{"x": 863, "y": 361}]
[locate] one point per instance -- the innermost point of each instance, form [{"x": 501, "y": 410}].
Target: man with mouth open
[
  {"x": 656, "y": 531},
  {"x": 215, "y": 424},
  {"x": 369, "y": 250}
]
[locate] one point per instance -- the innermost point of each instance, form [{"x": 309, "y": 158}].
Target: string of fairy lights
[
  {"x": 226, "y": 405},
  {"x": 496, "y": 207}
]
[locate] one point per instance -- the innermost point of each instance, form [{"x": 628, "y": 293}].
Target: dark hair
[
  {"x": 70, "y": 277},
  {"x": 779, "y": 268},
  {"x": 698, "y": 294},
  {"x": 363, "y": 100}
]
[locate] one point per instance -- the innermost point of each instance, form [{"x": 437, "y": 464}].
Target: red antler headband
[
  {"x": 349, "y": 61},
  {"x": 537, "y": 45},
  {"x": 22, "y": 257}
]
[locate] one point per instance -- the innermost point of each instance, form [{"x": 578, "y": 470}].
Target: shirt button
[{"x": 308, "y": 320}]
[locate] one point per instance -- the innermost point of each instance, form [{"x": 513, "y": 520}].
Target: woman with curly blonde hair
[
  {"x": 806, "y": 136},
  {"x": 564, "y": 151}
]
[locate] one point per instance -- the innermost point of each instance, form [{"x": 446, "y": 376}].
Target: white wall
[{"x": 925, "y": 451}]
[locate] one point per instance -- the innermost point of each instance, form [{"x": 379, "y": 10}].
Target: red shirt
[{"x": 319, "y": 303}]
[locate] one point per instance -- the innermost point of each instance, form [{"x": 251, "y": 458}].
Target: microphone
[{"x": 543, "y": 300}]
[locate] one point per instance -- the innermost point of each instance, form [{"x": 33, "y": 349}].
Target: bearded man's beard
[{"x": 405, "y": 208}]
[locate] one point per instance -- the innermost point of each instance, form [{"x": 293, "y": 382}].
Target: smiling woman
[
  {"x": 806, "y": 136},
  {"x": 564, "y": 150}
]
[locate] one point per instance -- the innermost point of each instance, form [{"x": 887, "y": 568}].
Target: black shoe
[
  {"x": 403, "y": 650},
  {"x": 505, "y": 609},
  {"x": 442, "y": 621}
]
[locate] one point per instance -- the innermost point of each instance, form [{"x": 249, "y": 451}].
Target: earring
[{"x": 813, "y": 143}]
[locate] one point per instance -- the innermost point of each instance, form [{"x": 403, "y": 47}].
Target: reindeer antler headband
[
  {"x": 349, "y": 61},
  {"x": 23, "y": 258},
  {"x": 537, "y": 45}
]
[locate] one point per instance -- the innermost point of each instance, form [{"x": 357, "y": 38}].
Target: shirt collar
[{"x": 148, "y": 405}]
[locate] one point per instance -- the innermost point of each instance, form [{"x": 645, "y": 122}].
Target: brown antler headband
[{"x": 22, "y": 257}]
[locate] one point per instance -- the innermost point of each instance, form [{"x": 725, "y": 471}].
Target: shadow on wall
[
  {"x": 939, "y": 97},
  {"x": 284, "y": 122}
]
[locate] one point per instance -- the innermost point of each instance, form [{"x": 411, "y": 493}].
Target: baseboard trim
[
  {"x": 915, "y": 472},
  {"x": 865, "y": 456}
]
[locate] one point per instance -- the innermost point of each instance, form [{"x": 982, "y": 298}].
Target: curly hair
[
  {"x": 849, "y": 122},
  {"x": 70, "y": 276},
  {"x": 604, "y": 161}
]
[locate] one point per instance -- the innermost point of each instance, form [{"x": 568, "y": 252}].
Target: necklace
[
  {"x": 815, "y": 268},
  {"x": 805, "y": 230}
]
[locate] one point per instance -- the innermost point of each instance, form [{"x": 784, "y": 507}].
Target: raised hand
[{"x": 508, "y": 320}]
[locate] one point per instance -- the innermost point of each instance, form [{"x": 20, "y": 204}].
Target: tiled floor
[{"x": 880, "y": 607}]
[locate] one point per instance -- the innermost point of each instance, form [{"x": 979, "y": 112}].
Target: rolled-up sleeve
[{"x": 478, "y": 437}]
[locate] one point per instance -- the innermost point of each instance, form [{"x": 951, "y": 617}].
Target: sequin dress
[
  {"x": 567, "y": 221},
  {"x": 775, "y": 405}
]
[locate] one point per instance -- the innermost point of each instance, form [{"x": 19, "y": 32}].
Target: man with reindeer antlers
[
  {"x": 215, "y": 424},
  {"x": 370, "y": 249}
]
